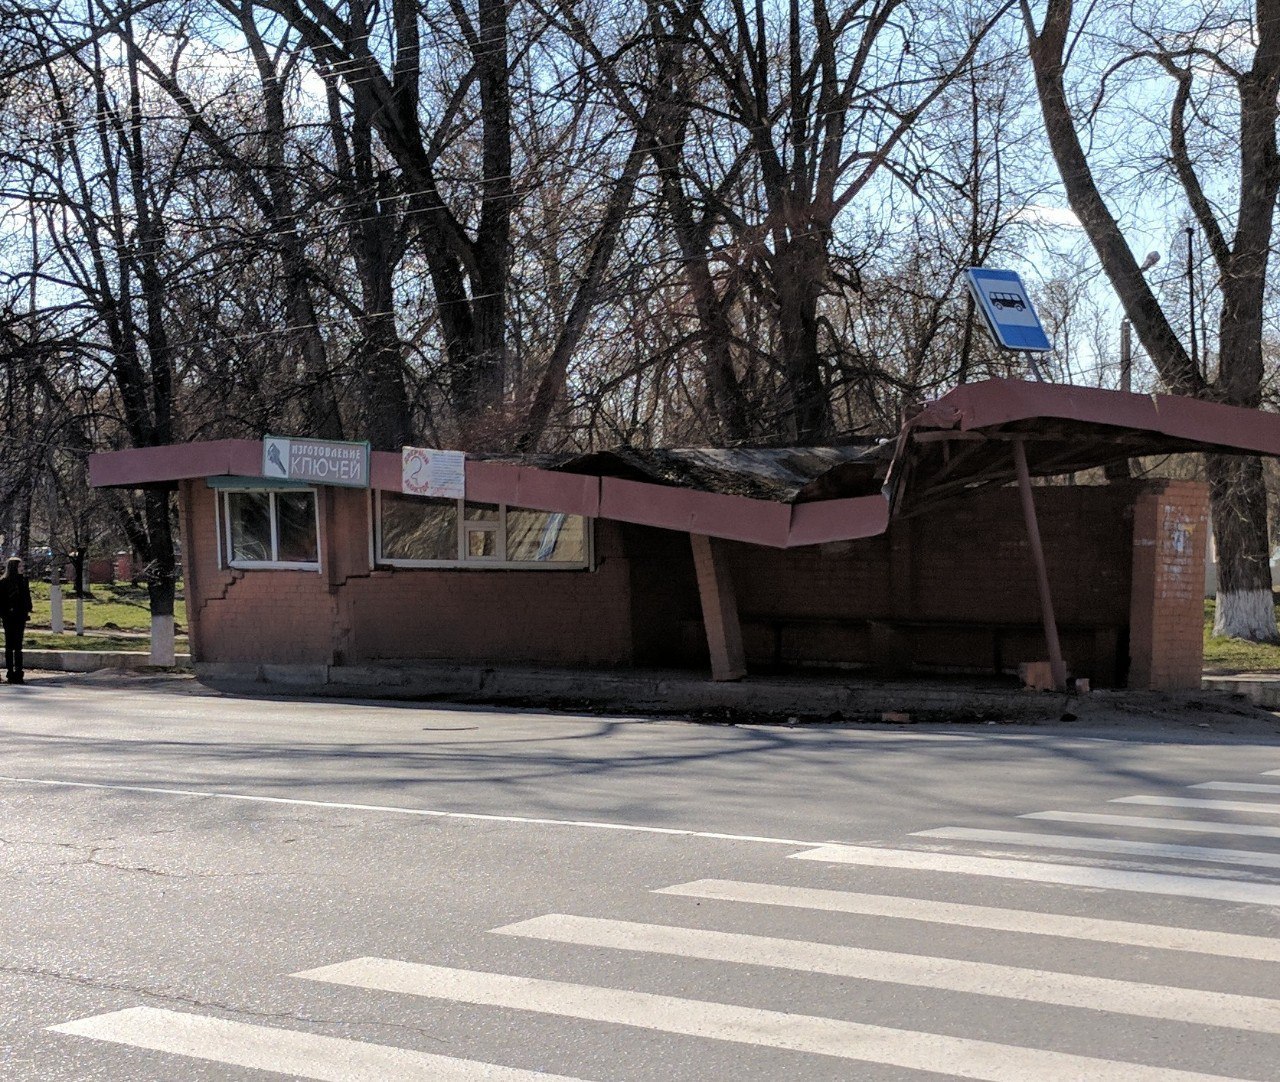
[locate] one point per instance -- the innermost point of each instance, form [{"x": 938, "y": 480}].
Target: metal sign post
[
  {"x": 1011, "y": 318},
  {"x": 1056, "y": 663}
]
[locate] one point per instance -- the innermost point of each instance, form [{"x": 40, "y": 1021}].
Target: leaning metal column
[{"x": 1056, "y": 664}]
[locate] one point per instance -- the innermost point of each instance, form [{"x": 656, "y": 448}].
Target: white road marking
[
  {"x": 591, "y": 824},
  {"x": 284, "y": 1051},
  {"x": 1170, "y": 1004},
  {"x": 1091, "y": 929},
  {"x": 1145, "y": 822},
  {"x": 1186, "y": 886},
  {"x": 955, "y": 1057},
  {"x": 1256, "y": 806},
  {"x": 1238, "y": 787},
  {"x": 1105, "y": 845}
]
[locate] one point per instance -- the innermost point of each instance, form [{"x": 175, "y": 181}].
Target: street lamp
[{"x": 1191, "y": 297}]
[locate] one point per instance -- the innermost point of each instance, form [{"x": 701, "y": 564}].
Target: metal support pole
[
  {"x": 1056, "y": 664},
  {"x": 1191, "y": 298}
]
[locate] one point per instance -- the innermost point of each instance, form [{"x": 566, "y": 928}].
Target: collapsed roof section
[
  {"x": 782, "y": 474},
  {"x": 962, "y": 441},
  {"x": 786, "y": 497}
]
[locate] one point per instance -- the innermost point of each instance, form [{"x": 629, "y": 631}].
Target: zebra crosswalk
[
  {"x": 281, "y": 1051},
  {"x": 1118, "y": 846},
  {"x": 1146, "y": 822},
  {"x": 962, "y": 1057},
  {"x": 1172, "y": 873}
]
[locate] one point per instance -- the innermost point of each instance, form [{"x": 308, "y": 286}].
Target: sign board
[
  {"x": 316, "y": 462},
  {"x": 1002, "y": 299},
  {"x": 428, "y": 472}
]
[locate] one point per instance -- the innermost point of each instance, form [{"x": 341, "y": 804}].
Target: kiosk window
[
  {"x": 546, "y": 537},
  {"x": 419, "y": 529},
  {"x": 415, "y": 531},
  {"x": 271, "y": 529}
]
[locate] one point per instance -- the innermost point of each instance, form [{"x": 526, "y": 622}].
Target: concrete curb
[
  {"x": 1261, "y": 689},
  {"x": 640, "y": 691},
  {"x": 93, "y": 660}
]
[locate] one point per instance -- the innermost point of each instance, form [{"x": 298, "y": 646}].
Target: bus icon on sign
[{"x": 1008, "y": 300}]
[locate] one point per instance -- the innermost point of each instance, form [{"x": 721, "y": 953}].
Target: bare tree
[
  {"x": 1217, "y": 59},
  {"x": 100, "y": 187}
]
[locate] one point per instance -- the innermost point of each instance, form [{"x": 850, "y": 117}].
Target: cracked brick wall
[
  {"x": 1166, "y": 636},
  {"x": 950, "y": 590}
]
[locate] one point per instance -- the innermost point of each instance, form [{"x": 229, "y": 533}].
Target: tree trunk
[
  {"x": 1238, "y": 498},
  {"x": 551, "y": 385},
  {"x": 1238, "y": 503},
  {"x": 78, "y": 557},
  {"x": 376, "y": 247},
  {"x": 801, "y": 263}
]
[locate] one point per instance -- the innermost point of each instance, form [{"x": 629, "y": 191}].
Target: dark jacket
[{"x": 15, "y": 597}]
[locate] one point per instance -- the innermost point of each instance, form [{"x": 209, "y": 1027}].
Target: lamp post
[
  {"x": 1126, "y": 356},
  {"x": 1191, "y": 297}
]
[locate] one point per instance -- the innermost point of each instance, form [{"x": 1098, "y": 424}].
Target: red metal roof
[
  {"x": 958, "y": 442},
  {"x": 962, "y": 441},
  {"x": 1208, "y": 424}
]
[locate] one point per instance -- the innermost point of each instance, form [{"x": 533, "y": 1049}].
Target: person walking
[{"x": 15, "y": 607}]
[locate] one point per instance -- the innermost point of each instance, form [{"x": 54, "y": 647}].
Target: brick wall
[
  {"x": 1166, "y": 640},
  {"x": 349, "y": 613},
  {"x": 561, "y": 617},
  {"x": 278, "y": 616},
  {"x": 953, "y": 589}
]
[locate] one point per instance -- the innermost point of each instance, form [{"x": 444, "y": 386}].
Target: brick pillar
[
  {"x": 344, "y": 552},
  {"x": 1166, "y": 605},
  {"x": 719, "y": 610},
  {"x": 345, "y": 532}
]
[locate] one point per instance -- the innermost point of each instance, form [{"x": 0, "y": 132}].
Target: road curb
[
  {"x": 93, "y": 660},
  {"x": 666, "y": 692},
  {"x": 1261, "y": 689}
]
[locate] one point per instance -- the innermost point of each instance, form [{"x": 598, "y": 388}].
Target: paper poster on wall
[{"x": 429, "y": 472}]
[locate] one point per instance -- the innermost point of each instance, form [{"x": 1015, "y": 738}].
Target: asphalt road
[{"x": 208, "y": 887}]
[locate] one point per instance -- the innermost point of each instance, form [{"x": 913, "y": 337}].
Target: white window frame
[
  {"x": 499, "y": 562},
  {"x": 224, "y": 534}
]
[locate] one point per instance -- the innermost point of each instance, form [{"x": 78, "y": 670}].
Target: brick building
[{"x": 932, "y": 552}]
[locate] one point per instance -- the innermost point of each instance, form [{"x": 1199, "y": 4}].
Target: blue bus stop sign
[{"x": 1002, "y": 299}]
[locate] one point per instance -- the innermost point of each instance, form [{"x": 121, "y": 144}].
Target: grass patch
[
  {"x": 114, "y": 607},
  {"x": 1223, "y": 654}
]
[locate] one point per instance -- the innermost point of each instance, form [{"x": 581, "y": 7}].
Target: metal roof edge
[{"x": 1217, "y": 425}]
